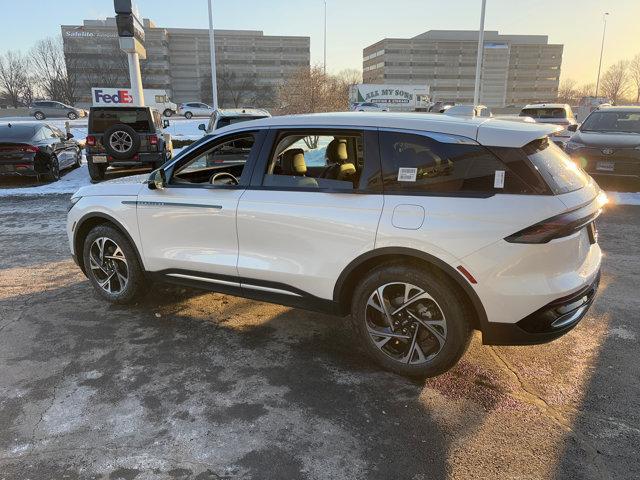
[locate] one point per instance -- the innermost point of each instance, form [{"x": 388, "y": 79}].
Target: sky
[{"x": 354, "y": 24}]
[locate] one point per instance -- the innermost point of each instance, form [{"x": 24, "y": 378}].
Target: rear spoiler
[{"x": 504, "y": 133}]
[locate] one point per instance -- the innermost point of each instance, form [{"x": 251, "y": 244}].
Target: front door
[
  {"x": 312, "y": 208},
  {"x": 188, "y": 228}
]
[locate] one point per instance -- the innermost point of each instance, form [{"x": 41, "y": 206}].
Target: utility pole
[
  {"x": 325, "y": 37},
  {"x": 476, "y": 91},
  {"x": 604, "y": 31},
  {"x": 212, "y": 46}
]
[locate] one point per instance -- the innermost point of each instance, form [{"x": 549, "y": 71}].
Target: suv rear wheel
[
  {"x": 167, "y": 112},
  {"x": 411, "y": 321},
  {"x": 112, "y": 265},
  {"x": 121, "y": 141},
  {"x": 39, "y": 116},
  {"x": 96, "y": 171}
]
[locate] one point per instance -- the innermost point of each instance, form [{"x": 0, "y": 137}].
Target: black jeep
[{"x": 125, "y": 137}]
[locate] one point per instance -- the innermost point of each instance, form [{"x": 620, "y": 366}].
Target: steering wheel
[{"x": 216, "y": 176}]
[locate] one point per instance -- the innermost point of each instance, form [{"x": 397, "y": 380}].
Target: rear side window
[
  {"x": 414, "y": 163},
  {"x": 103, "y": 119},
  {"x": 561, "y": 174},
  {"x": 226, "y": 121}
]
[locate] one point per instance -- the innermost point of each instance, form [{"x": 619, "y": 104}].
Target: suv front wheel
[
  {"x": 112, "y": 265},
  {"x": 411, "y": 321}
]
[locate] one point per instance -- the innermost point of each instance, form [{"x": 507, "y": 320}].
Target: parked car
[
  {"x": 195, "y": 109},
  {"x": 554, "y": 113},
  {"x": 368, "y": 107},
  {"x": 441, "y": 107},
  {"x": 125, "y": 137},
  {"x": 230, "y": 116},
  {"x": 421, "y": 227},
  {"x": 468, "y": 111},
  {"x": 42, "y": 109},
  {"x": 36, "y": 149},
  {"x": 608, "y": 142}
]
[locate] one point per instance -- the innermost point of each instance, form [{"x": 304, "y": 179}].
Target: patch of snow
[
  {"x": 70, "y": 182},
  {"x": 181, "y": 128},
  {"x": 624, "y": 198}
]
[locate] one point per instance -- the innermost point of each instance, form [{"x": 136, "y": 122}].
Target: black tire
[
  {"x": 53, "y": 174},
  {"x": 437, "y": 356},
  {"x": 96, "y": 172},
  {"x": 78, "y": 163},
  {"x": 134, "y": 286},
  {"x": 126, "y": 133},
  {"x": 167, "y": 113},
  {"x": 72, "y": 115},
  {"x": 188, "y": 115},
  {"x": 39, "y": 116}
]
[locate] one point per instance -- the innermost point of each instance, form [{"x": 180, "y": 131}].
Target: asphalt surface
[{"x": 206, "y": 386}]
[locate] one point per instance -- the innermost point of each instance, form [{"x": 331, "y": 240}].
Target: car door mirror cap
[
  {"x": 165, "y": 124},
  {"x": 157, "y": 180},
  {"x": 69, "y": 136},
  {"x": 202, "y": 127},
  {"x": 573, "y": 128}
]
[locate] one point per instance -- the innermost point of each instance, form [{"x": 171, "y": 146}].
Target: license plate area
[
  {"x": 99, "y": 159},
  {"x": 605, "y": 166}
]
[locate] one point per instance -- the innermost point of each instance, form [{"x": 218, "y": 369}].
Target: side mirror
[
  {"x": 157, "y": 180},
  {"x": 165, "y": 123},
  {"x": 69, "y": 136},
  {"x": 202, "y": 127},
  {"x": 572, "y": 128}
]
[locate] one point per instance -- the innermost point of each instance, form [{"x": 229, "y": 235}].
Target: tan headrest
[
  {"x": 346, "y": 171},
  {"x": 293, "y": 162},
  {"x": 337, "y": 151}
]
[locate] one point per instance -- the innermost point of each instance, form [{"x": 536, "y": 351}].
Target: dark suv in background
[
  {"x": 607, "y": 143},
  {"x": 125, "y": 137}
]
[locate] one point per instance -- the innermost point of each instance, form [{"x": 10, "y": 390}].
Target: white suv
[{"x": 421, "y": 227}]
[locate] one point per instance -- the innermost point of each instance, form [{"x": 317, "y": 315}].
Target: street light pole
[
  {"x": 212, "y": 47},
  {"x": 476, "y": 91},
  {"x": 325, "y": 37},
  {"x": 604, "y": 31}
]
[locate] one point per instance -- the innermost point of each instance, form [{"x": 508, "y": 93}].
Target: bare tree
[
  {"x": 586, "y": 90},
  {"x": 48, "y": 62},
  {"x": 13, "y": 76},
  {"x": 614, "y": 82},
  {"x": 634, "y": 74},
  {"x": 567, "y": 91},
  {"x": 350, "y": 76},
  {"x": 310, "y": 90}
]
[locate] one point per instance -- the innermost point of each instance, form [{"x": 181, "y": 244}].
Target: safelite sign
[{"x": 112, "y": 96}]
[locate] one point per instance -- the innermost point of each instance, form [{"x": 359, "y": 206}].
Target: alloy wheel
[
  {"x": 108, "y": 265},
  {"x": 120, "y": 141},
  {"x": 405, "y": 323}
]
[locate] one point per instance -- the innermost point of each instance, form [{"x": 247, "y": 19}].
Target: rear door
[{"x": 298, "y": 229}]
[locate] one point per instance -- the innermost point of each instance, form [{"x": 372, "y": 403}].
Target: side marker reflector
[{"x": 467, "y": 275}]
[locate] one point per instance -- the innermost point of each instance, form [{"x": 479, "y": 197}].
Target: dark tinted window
[
  {"x": 416, "y": 163},
  {"x": 103, "y": 119},
  {"x": 17, "y": 133},
  {"x": 560, "y": 173},
  {"x": 544, "y": 113},
  {"x": 226, "y": 121}
]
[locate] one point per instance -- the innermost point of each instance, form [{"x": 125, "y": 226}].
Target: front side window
[
  {"x": 220, "y": 165},
  {"x": 327, "y": 160},
  {"x": 415, "y": 163}
]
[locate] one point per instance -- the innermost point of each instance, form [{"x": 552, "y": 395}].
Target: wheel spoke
[
  {"x": 384, "y": 303},
  {"x": 431, "y": 326},
  {"x": 414, "y": 348},
  {"x": 420, "y": 296},
  {"x": 107, "y": 283},
  {"x": 95, "y": 265}
]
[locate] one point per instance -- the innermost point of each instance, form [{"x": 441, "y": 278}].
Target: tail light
[
  {"x": 30, "y": 149},
  {"x": 153, "y": 140},
  {"x": 91, "y": 140},
  {"x": 559, "y": 226}
]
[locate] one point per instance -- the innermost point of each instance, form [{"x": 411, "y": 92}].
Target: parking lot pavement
[{"x": 196, "y": 385}]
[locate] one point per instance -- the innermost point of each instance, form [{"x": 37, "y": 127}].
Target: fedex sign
[{"x": 112, "y": 96}]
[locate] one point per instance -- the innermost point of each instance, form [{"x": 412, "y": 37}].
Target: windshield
[
  {"x": 620, "y": 122},
  {"x": 543, "y": 112},
  {"x": 16, "y": 133},
  {"x": 555, "y": 166}
]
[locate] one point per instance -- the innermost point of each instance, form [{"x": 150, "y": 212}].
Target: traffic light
[{"x": 127, "y": 21}]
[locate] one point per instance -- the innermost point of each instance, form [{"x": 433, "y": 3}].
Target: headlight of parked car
[{"x": 73, "y": 201}]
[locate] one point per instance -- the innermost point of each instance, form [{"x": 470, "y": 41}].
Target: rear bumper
[
  {"x": 546, "y": 324},
  {"x": 136, "y": 161}
]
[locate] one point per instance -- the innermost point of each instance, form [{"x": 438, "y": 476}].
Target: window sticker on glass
[
  {"x": 498, "y": 179},
  {"x": 406, "y": 174}
]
